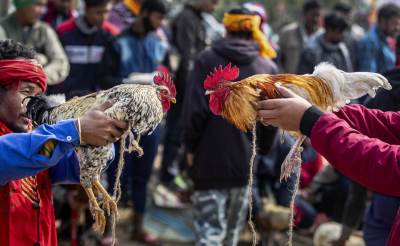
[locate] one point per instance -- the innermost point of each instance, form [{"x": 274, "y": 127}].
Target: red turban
[{"x": 12, "y": 72}]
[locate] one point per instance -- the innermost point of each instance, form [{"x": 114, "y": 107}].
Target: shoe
[{"x": 138, "y": 233}]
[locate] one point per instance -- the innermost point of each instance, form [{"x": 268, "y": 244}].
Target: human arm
[
  {"x": 57, "y": 67},
  {"x": 25, "y": 154},
  {"x": 370, "y": 161},
  {"x": 349, "y": 150},
  {"x": 67, "y": 170},
  {"x": 20, "y": 152}
]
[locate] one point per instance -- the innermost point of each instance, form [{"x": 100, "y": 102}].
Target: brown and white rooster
[
  {"x": 327, "y": 87},
  {"x": 142, "y": 106}
]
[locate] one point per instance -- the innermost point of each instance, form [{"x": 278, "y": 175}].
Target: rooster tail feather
[
  {"x": 359, "y": 83},
  {"x": 37, "y": 107},
  {"x": 346, "y": 86}
]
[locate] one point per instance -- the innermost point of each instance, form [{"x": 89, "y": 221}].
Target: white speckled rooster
[{"x": 142, "y": 106}]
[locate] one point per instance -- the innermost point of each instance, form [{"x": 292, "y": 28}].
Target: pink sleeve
[
  {"x": 372, "y": 122},
  {"x": 362, "y": 146}
]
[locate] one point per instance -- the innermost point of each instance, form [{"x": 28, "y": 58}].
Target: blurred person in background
[
  {"x": 218, "y": 152},
  {"x": 5, "y": 8},
  {"x": 355, "y": 32},
  {"x": 24, "y": 25},
  {"x": 59, "y": 11},
  {"x": 327, "y": 47},
  {"x": 84, "y": 39},
  {"x": 189, "y": 38},
  {"x": 375, "y": 54},
  {"x": 267, "y": 183},
  {"x": 295, "y": 36},
  {"x": 265, "y": 27},
  {"x": 138, "y": 49},
  {"x": 124, "y": 13}
]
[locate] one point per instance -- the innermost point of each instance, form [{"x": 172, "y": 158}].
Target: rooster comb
[
  {"x": 165, "y": 80},
  {"x": 229, "y": 73}
]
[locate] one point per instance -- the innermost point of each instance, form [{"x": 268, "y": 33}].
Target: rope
[
  {"x": 250, "y": 186},
  {"x": 120, "y": 167},
  {"x": 292, "y": 162},
  {"x": 117, "y": 185},
  {"x": 291, "y": 217}
]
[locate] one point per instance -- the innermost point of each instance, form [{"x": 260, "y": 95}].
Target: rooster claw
[
  {"x": 100, "y": 221},
  {"x": 110, "y": 206}
]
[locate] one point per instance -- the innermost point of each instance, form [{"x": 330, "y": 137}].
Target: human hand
[
  {"x": 286, "y": 112},
  {"x": 99, "y": 129}
]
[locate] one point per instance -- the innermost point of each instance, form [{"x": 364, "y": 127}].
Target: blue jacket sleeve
[
  {"x": 19, "y": 152},
  {"x": 67, "y": 171}
]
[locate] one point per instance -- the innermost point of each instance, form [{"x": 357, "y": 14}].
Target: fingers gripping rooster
[
  {"x": 142, "y": 106},
  {"x": 327, "y": 87}
]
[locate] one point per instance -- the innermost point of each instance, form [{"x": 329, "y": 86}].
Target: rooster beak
[
  {"x": 173, "y": 100},
  {"x": 208, "y": 92}
]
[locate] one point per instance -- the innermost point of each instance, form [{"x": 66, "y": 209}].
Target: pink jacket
[{"x": 364, "y": 145}]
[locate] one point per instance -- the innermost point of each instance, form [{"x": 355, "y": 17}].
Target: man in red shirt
[{"x": 31, "y": 162}]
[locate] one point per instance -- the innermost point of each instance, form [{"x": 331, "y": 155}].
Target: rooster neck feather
[{"x": 240, "y": 106}]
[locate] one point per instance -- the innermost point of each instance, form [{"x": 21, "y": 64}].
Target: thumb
[
  {"x": 105, "y": 105},
  {"x": 285, "y": 92}
]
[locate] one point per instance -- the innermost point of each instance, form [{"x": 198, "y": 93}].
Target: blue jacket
[
  {"x": 84, "y": 49},
  {"x": 19, "y": 153},
  {"x": 375, "y": 55},
  {"x": 129, "y": 53}
]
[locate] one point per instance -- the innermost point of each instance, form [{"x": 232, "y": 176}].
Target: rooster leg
[
  {"x": 109, "y": 204},
  {"x": 134, "y": 144},
  {"x": 96, "y": 211},
  {"x": 292, "y": 159}
]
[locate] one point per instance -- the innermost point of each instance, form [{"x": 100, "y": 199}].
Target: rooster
[
  {"x": 142, "y": 106},
  {"x": 327, "y": 88}
]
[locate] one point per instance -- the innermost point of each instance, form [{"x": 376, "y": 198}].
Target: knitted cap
[{"x": 20, "y": 4}]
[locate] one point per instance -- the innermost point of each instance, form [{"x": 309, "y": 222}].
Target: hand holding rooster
[{"x": 286, "y": 112}]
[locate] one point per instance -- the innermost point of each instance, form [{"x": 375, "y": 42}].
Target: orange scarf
[
  {"x": 250, "y": 23},
  {"x": 133, "y": 6}
]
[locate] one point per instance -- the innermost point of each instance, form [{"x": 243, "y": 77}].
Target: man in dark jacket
[
  {"x": 327, "y": 47},
  {"x": 84, "y": 39},
  {"x": 189, "y": 38},
  {"x": 220, "y": 152}
]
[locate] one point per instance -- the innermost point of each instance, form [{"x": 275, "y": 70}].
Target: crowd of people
[{"x": 89, "y": 45}]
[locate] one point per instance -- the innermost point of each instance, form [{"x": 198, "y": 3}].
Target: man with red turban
[{"x": 31, "y": 162}]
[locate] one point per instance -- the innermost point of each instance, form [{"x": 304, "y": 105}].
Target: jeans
[
  {"x": 172, "y": 144},
  {"x": 219, "y": 215},
  {"x": 137, "y": 170}
]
